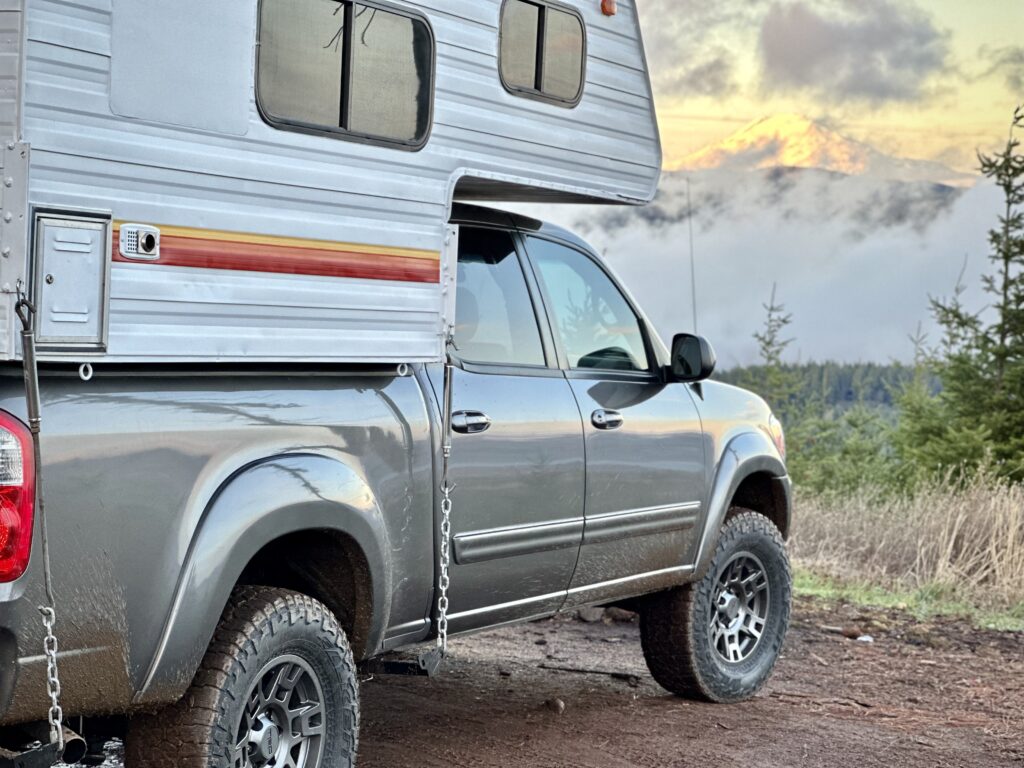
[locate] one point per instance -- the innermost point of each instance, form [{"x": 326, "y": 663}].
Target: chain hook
[{"x": 26, "y": 310}]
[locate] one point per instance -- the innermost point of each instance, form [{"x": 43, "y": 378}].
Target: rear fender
[{"x": 257, "y": 505}]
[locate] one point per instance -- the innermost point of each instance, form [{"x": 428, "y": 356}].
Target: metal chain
[
  {"x": 56, "y": 714},
  {"x": 26, "y": 311},
  {"x": 443, "y": 581},
  {"x": 446, "y": 506}
]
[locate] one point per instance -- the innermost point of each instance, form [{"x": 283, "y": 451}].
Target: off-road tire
[
  {"x": 674, "y": 624},
  {"x": 259, "y": 624}
]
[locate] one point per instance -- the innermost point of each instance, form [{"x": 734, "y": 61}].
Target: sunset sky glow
[{"x": 927, "y": 79}]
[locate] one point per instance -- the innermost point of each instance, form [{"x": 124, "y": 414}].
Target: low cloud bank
[{"x": 855, "y": 258}]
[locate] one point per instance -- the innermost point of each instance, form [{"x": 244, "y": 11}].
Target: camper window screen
[
  {"x": 346, "y": 67},
  {"x": 542, "y": 51}
]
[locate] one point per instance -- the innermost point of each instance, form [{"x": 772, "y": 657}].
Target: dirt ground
[
  {"x": 935, "y": 694},
  {"x": 921, "y": 694}
]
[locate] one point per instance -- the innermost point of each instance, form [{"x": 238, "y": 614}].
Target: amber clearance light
[
  {"x": 778, "y": 435},
  {"x": 608, "y": 7}
]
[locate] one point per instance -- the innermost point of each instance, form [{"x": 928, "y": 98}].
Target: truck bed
[{"x": 136, "y": 459}]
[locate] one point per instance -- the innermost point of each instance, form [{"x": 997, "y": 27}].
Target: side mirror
[{"x": 693, "y": 359}]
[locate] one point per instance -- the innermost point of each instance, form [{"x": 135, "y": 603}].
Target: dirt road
[
  {"x": 938, "y": 694},
  {"x": 934, "y": 694}
]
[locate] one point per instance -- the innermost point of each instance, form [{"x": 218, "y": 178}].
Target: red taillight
[{"x": 17, "y": 497}]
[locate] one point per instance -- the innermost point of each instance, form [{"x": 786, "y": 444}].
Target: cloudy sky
[
  {"x": 930, "y": 79},
  {"x": 856, "y": 252}
]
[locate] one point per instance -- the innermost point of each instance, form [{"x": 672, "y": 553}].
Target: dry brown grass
[{"x": 966, "y": 540}]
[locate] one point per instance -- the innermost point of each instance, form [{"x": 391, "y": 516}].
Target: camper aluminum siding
[
  {"x": 145, "y": 112},
  {"x": 13, "y": 168}
]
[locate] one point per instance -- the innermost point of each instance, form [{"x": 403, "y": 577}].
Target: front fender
[
  {"x": 744, "y": 455},
  {"x": 264, "y": 501}
]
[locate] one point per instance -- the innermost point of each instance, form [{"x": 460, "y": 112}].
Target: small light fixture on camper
[
  {"x": 139, "y": 242},
  {"x": 608, "y": 7}
]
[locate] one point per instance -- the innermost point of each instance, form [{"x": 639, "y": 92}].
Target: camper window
[
  {"x": 542, "y": 51},
  {"x": 355, "y": 69}
]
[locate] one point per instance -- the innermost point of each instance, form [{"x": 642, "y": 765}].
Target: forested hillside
[{"x": 831, "y": 384}]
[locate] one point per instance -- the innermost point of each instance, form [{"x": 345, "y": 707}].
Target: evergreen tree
[
  {"x": 775, "y": 381},
  {"x": 979, "y": 415}
]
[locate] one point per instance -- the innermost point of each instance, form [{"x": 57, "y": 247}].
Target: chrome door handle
[
  {"x": 603, "y": 419},
  {"x": 470, "y": 422}
]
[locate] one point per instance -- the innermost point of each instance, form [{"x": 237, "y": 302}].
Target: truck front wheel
[
  {"x": 277, "y": 687},
  {"x": 718, "y": 639}
]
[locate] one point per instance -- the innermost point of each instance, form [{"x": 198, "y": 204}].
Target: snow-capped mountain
[{"x": 795, "y": 141}]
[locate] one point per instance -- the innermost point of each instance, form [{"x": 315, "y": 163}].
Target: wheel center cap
[
  {"x": 729, "y": 605},
  {"x": 270, "y": 741}
]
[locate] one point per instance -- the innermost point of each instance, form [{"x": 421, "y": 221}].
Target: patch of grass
[
  {"x": 949, "y": 548},
  {"x": 922, "y": 603}
]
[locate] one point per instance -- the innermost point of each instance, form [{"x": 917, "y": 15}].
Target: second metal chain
[
  {"x": 443, "y": 581},
  {"x": 446, "y": 505}
]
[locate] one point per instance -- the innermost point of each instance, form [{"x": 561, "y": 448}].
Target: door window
[
  {"x": 595, "y": 323},
  {"x": 494, "y": 317}
]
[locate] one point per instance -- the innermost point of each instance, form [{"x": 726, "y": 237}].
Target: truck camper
[{"x": 272, "y": 180}]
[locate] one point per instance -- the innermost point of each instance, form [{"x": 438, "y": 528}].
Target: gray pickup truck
[{"x": 229, "y": 543}]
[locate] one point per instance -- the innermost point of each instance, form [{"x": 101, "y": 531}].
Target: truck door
[
  {"x": 517, "y": 449},
  {"x": 643, "y": 438}
]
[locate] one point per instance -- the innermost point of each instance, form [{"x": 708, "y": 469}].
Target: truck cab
[{"x": 606, "y": 496}]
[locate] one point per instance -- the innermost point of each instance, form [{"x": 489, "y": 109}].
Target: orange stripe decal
[{"x": 208, "y": 249}]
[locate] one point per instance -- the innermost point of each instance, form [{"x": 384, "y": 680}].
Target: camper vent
[{"x": 138, "y": 241}]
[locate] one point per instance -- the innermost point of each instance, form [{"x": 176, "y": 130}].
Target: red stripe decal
[{"x": 176, "y": 251}]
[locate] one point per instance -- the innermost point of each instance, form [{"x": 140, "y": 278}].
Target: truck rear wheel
[
  {"x": 718, "y": 639},
  {"x": 277, "y": 687}
]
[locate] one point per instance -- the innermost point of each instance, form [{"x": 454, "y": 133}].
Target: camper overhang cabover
[{"x": 271, "y": 180}]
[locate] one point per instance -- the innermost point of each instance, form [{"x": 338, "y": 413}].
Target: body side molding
[
  {"x": 648, "y": 521},
  {"x": 480, "y": 546}
]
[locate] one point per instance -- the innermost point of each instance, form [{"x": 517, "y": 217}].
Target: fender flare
[
  {"x": 258, "y": 504},
  {"x": 745, "y": 454}
]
